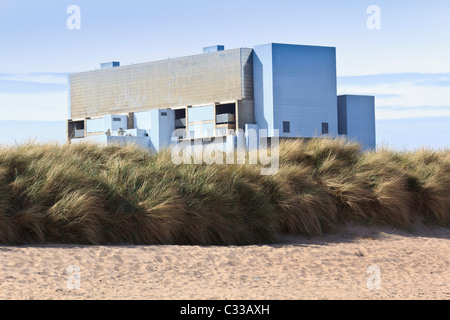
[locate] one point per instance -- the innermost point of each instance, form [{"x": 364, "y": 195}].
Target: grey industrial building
[{"x": 288, "y": 90}]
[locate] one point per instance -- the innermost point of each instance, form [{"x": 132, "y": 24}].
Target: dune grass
[{"x": 86, "y": 194}]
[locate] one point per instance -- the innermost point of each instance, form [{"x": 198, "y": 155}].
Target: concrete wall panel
[
  {"x": 304, "y": 89},
  {"x": 194, "y": 80}
]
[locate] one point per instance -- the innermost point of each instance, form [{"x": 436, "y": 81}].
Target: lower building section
[{"x": 159, "y": 128}]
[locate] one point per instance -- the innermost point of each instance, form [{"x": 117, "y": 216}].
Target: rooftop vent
[
  {"x": 108, "y": 65},
  {"x": 213, "y": 49}
]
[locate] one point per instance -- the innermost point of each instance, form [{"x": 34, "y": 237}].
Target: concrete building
[
  {"x": 353, "y": 114},
  {"x": 288, "y": 90}
]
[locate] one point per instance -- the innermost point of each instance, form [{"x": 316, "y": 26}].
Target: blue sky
[{"x": 405, "y": 64}]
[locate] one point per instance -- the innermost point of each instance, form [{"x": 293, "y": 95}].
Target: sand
[{"x": 358, "y": 263}]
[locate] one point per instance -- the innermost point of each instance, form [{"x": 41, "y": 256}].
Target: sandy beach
[{"x": 358, "y": 263}]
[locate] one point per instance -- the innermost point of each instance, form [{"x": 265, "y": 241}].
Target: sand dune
[{"x": 412, "y": 266}]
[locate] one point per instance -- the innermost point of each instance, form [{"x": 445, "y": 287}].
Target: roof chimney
[
  {"x": 213, "y": 49},
  {"x": 108, "y": 65}
]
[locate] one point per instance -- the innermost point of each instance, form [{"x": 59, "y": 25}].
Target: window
[
  {"x": 324, "y": 127},
  {"x": 200, "y": 120},
  {"x": 117, "y": 119},
  {"x": 76, "y": 129},
  {"x": 201, "y": 114},
  {"x": 286, "y": 127},
  {"x": 163, "y": 114}
]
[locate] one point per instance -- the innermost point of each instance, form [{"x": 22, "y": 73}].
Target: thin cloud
[
  {"x": 33, "y": 96},
  {"x": 443, "y": 82},
  {"x": 33, "y": 106},
  {"x": 415, "y": 108},
  {"x": 26, "y": 87},
  {"x": 405, "y": 112},
  {"x": 414, "y": 78},
  {"x": 57, "y": 78},
  {"x": 387, "y": 96},
  {"x": 402, "y": 95}
]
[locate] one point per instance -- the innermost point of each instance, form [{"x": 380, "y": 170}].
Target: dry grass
[{"x": 85, "y": 194}]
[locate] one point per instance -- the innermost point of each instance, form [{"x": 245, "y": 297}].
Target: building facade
[{"x": 288, "y": 90}]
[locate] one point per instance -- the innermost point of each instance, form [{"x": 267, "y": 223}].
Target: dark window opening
[
  {"x": 76, "y": 129},
  {"x": 286, "y": 127},
  {"x": 324, "y": 127},
  {"x": 180, "y": 118},
  {"x": 79, "y": 125},
  {"x": 163, "y": 114},
  {"x": 226, "y": 108},
  {"x": 117, "y": 119},
  {"x": 225, "y": 119},
  {"x": 226, "y": 113}
]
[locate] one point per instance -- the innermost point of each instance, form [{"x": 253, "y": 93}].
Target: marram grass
[{"x": 86, "y": 194}]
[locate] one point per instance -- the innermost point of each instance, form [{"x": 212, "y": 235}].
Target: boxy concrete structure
[
  {"x": 356, "y": 116},
  {"x": 283, "y": 88},
  {"x": 295, "y": 89}
]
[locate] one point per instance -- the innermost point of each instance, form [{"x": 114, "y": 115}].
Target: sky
[{"x": 405, "y": 63}]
